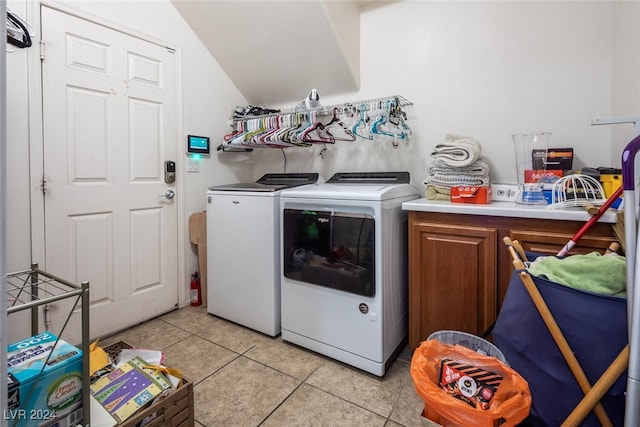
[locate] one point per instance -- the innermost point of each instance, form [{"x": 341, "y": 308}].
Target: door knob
[{"x": 169, "y": 194}]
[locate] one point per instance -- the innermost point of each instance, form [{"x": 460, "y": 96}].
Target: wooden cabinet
[
  {"x": 452, "y": 277},
  {"x": 459, "y": 267}
]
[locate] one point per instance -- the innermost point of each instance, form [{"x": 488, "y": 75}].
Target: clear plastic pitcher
[{"x": 528, "y": 146}]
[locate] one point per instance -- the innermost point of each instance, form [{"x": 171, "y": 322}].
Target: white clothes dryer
[
  {"x": 344, "y": 279},
  {"x": 243, "y": 250}
]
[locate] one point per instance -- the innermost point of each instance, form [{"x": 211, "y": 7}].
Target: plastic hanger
[
  {"x": 337, "y": 123},
  {"x": 230, "y": 138},
  {"x": 257, "y": 128},
  {"x": 380, "y": 118},
  {"x": 19, "y": 33},
  {"x": 311, "y": 133},
  {"x": 290, "y": 134},
  {"x": 244, "y": 138},
  {"x": 271, "y": 136},
  {"x": 361, "y": 125}
]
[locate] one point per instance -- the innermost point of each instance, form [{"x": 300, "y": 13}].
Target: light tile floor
[{"x": 245, "y": 378}]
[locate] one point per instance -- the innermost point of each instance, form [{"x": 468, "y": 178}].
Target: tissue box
[
  {"x": 49, "y": 395},
  {"x": 471, "y": 194}
]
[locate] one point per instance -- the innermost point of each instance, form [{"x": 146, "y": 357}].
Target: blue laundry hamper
[{"x": 595, "y": 327}]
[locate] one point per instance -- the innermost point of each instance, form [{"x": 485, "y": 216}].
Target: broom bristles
[{"x": 618, "y": 229}]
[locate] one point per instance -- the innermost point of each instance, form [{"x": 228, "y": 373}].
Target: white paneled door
[{"x": 109, "y": 111}]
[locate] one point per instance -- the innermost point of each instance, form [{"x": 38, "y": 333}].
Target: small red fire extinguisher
[{"x": 195, "y": 289}]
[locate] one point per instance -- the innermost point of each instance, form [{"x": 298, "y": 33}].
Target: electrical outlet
[{"x": 504, "y": 192}]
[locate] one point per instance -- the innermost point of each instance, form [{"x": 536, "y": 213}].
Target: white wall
[
  {"x": 626, "y": 72},
  {"x": 484, "y": 70},
  {"x": 207, "y": 96}
]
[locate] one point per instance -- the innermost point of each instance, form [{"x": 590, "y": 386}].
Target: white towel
[
  {"x": 478, "y": 168},
  {"x": 457, "y": 151},
  {"x": 442, "y": 175}
]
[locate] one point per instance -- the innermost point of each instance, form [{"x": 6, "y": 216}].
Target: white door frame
[{"x": 36, "y": 139}]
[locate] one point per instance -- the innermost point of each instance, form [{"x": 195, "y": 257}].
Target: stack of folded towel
[{"x": 456, "y": 161}]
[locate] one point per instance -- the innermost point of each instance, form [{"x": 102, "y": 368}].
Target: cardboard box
[
  {"x": 555, "y": 159},
  {"x": 471, "y": 194},
  {"x": 128, "y": 388},
  {"x": 470, "y": 384},
  {"x": 176, "y": 409},
  {"x": 45, "y": 382},
  {"x": 547, "y": 176}
]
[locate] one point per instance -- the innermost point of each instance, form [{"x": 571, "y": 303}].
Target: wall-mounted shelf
[
  {"x": 371, "y": 119},
  {"x": 32, "y": 288}
]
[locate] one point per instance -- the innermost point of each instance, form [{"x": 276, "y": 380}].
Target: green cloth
[
  {"x": 603, "y": 274},
  {"x": 434, "y": 192}
]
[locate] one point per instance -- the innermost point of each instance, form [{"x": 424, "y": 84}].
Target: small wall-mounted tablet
[{"x": 198, "y": 145}]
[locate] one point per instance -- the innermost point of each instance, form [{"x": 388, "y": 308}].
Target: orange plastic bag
[{"x": 507, "y": 405}]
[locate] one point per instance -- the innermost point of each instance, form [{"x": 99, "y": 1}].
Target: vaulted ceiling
[{"x": 277, "y": 51}]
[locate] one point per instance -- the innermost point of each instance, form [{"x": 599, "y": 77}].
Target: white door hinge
[
  {"x": 43, "y": 185},
  {"x": 42, "y": 50}
]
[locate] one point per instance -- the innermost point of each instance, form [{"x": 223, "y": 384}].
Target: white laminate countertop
[{"x": 509, "y": 209}]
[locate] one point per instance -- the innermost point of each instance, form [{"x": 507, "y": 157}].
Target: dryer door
[{"x": 330, "y": 249}]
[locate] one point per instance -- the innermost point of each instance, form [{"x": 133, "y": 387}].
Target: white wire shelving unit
[
  {"x": 3, "y": 204},
  {"x": 296, "y": 116},
  {"x": 30, "y": 289}
]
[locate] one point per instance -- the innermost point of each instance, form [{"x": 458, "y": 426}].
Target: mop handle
[{"x": 571, "y": 243}]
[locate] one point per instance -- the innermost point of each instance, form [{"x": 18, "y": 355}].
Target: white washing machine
[
  {"x": 243, "y": 250},
  {"x": 344, "y": 278}
]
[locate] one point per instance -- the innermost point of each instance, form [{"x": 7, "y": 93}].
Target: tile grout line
[{"x": 244, "y": 354}]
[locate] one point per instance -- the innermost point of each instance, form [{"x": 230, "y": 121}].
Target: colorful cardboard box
[
  {"x": 545, "y": 176},
  {"x": 471, "y": 194},
  {"x": 471, "y": 384},
  {"x": 553, "y": 159},
  {"x": 45, "y": 382},
  {"x": 130, "y": 387}
]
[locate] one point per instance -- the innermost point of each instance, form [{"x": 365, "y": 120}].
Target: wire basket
[
  {"x": 473, "y": 342},
  {"x": 576, "y": 190}
]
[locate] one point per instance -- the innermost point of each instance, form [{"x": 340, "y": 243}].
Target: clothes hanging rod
[{"x": 327, "y": 109}]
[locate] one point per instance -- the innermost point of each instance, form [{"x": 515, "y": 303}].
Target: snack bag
[{"x": 468, "y": 383}]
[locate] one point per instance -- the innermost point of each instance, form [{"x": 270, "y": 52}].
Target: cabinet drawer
[{"x": 550, "y": 243}]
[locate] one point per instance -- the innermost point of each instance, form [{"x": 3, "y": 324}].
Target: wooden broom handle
[
  {"x": 599, "y": 389},
  {"x": 517, "y": 246}
]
